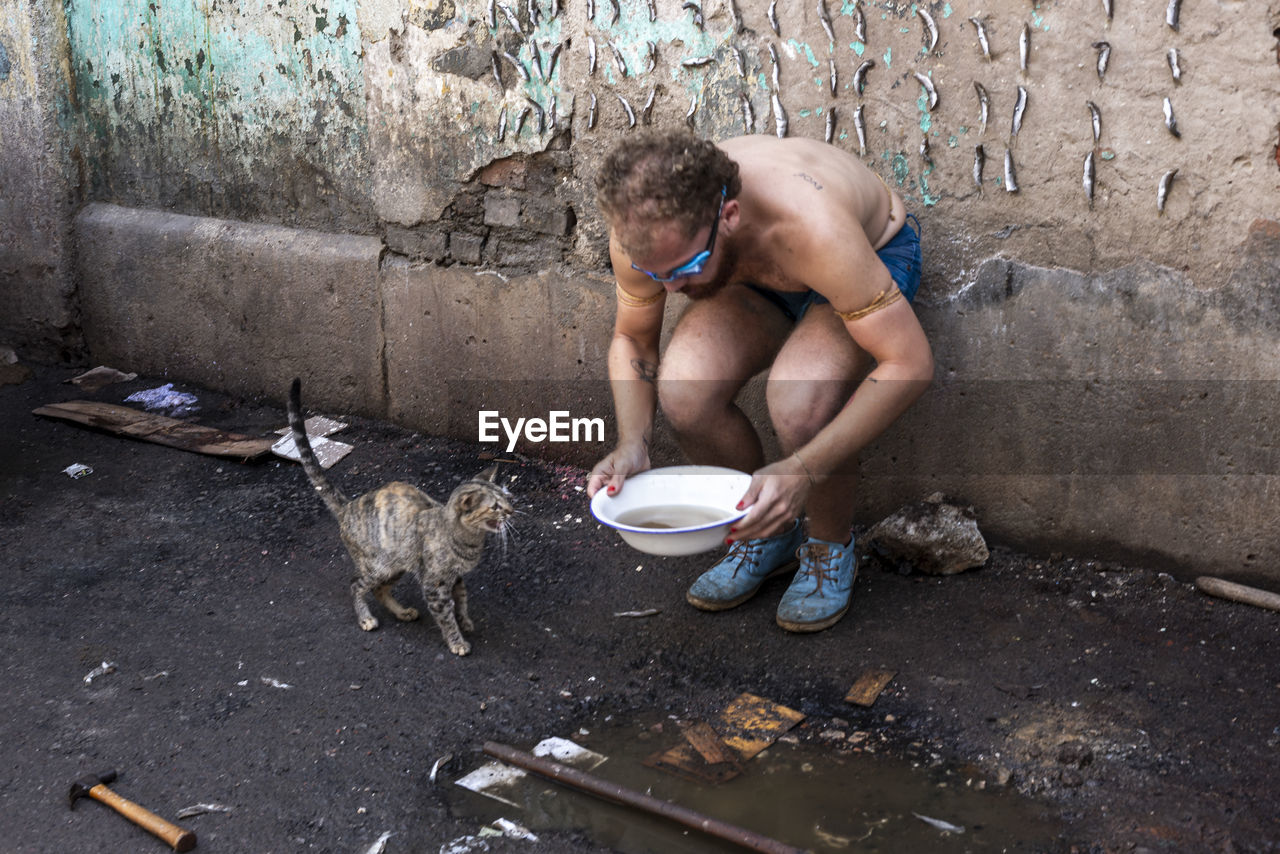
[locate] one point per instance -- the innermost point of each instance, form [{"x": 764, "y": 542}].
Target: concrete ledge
[
  {"x": 233, "y": 306},
  {"x": 460, "y": 341}
]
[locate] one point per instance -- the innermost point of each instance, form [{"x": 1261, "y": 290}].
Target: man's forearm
[{"x": 633, "y": 378}]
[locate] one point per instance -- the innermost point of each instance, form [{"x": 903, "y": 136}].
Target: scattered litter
[
  {"x": 164, "y": 398},
  {"x": 201, "y": 809},
  {"x": 154, "y": 676},
  {"x": 568, "y": 752},
  {"x": 944, "y": 826},
  {"x": 380, "y": 844},
  {"x": 868, "y": 687},
  {"x": 159, "y": 429},
  {"x": 77, "y": 470},
  {"x": 508, "y": 828},
  {"x": 318, "y": 426},
  {"x": 930, "y": 536},
  {"x": 101, "y": 670},
  {"x": 101, "y": 376},
  {"x": 494, "y": 780},
  {"x": 647, "y": 612},
  {"x": 327, "y": 451},
  {"x": 275, "y": 683},
  {"x": 435, "y": 769}
]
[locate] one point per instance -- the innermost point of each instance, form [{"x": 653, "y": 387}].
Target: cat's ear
[{"x": 490, "y": 474}]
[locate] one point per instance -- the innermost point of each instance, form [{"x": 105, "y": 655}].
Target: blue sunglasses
[{"x": 694, "y": 265}]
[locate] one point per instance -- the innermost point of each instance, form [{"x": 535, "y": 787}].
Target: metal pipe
[{"x": 614, "y": 793}]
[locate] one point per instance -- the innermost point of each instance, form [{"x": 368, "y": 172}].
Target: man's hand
[
  {"x": 624, "y": 461},
  {"x": 776, "y": 496}
]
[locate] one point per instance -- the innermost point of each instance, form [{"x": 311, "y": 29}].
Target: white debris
[
  {"x": 944, "y": 826},
  {"x": 275, "y": 683},
  {"x": 77, "y": 470},
  {"x": 379, "y": 845},
  {"x": 101, "y": 670},
  {"x": 165, "y": 398},
  {"x": 201, "y": 809}
]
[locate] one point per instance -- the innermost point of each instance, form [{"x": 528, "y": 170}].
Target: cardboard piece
[
  {"x": 327, "y": 451},
  {"x": 157, "y": 429}
]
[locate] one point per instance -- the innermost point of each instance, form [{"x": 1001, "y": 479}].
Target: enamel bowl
[{"x": 680, "y": 510}]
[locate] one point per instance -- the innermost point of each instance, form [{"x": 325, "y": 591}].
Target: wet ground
[{"x": 1044, "y": 703}]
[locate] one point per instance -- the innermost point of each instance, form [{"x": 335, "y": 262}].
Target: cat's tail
[{"x": 332, "y": 498}]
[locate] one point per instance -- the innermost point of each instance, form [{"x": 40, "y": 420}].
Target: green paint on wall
[
  {"x": 804, "y": 48},
  {"x": 858, "y": 47},
  {"x": 888, "y": 57}
]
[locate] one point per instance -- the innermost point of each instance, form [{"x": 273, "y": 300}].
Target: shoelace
[
  {"x": 823, "y": 566},
  {"x": 747, "y": 551}
]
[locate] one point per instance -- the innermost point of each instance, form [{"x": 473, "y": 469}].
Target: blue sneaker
[
  {"x": 740, "y": 573},
  {"x": 819, "y": 595}
]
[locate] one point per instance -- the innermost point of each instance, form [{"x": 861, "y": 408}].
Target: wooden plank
[
  {"x": 868, "y": 687},
  {"x": 157, "y": 429},
  {"x": 707, "y": 743}
]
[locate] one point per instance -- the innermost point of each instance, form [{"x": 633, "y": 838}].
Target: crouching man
[{"x": 795, "y": 258}]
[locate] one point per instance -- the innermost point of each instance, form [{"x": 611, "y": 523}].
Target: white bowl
[{"x": 697, "y": 504}]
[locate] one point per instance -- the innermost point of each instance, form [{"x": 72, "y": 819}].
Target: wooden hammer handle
[{"x": 177, "y": 838}]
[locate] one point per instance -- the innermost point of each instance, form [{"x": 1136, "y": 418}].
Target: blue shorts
[{"x": 901, "y": 255}]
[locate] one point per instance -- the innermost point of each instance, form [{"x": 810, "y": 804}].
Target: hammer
[{"x": 95, "y": 786}]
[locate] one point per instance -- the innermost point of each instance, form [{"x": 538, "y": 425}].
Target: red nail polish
[
  {"x": 739, "y": 505},
  {"x": 728, "y": 541},
  {"x": 612, "y": 490},
  {"x": 733, "y": 530}
]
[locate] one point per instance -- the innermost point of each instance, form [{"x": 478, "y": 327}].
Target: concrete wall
[
  {"x": 346, "y": 190},
  {"x": 38, "y": 314}
]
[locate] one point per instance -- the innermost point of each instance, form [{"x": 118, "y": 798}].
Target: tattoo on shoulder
[
  {"x": 809, "y": 179},
  {"x": 646, "y": 371}
]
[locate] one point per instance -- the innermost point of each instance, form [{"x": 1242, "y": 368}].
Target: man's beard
[{"x": 725, "y": 272}]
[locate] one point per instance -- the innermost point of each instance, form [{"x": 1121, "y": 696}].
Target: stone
[
  {"x": 466, "y": 248},
  {"x": 502, "y": 210},
  {"x": 932, "y": 536}
]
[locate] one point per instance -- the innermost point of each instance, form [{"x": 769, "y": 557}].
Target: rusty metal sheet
[
  {"x": 868, "y": 687},
  {"x": 158, "y": 429},
  {"x": 747, "y": 726}
]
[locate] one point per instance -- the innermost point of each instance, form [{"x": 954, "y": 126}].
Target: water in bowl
[{"x": 666, "y": 516}]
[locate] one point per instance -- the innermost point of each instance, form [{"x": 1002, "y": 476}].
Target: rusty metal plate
[
  {"x": 868, "y": 687},
  {"x": 747, "y": 726}
]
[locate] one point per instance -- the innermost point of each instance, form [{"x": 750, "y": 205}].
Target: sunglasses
[{"x": 694, "y": 265}]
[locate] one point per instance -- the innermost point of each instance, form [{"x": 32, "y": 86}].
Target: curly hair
[{"x": 663, "y": 176}]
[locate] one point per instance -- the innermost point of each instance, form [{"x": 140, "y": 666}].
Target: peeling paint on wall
[{"x": 226, "y": 108}]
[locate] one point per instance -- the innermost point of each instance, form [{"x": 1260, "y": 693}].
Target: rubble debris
[
  {"x": 931, "y": 536},
  {"x": 380, "y": 844},
  {"x": 1238, "y": 592},
  {"x": 158, "y": 429},
  {"x": 868, "y": 686},
  {"x": 100, "y": 377}
]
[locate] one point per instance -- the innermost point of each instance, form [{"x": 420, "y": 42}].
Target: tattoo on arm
[
  {"x": 810, "y": 179},
  {"x": 647, "y": 371}
]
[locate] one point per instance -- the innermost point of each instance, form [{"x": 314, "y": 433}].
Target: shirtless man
[{"x": 795, "y": 257}]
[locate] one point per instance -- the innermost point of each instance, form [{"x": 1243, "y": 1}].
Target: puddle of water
[{"x": 800, "y": 794}]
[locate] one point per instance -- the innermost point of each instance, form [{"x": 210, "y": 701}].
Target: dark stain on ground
[{"x": 1141, "y": 712}]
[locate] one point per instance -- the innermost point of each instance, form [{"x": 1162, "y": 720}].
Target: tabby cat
[{"x": 398, "y": 529}]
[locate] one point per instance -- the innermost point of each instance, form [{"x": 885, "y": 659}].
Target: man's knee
[
  {"x": 799, "y": 409},
  {"x": 687, "y": 401}
]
